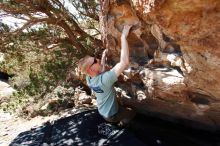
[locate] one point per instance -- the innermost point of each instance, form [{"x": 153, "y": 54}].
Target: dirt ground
[{"x": 11, "y": 126}]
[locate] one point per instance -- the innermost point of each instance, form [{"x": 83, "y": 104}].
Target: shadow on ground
[
  {"x": 86, "y": 129},
  {"x": 82, "y": 129}
]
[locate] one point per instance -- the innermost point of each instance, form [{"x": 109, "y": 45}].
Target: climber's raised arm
[
  {"x": 103, "y": 60},
  {"x": 124, "y": 58}
]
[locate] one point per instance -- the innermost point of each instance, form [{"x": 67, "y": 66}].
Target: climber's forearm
[
  {"x": 124, "y": 58},
  {"x": 103, "y": 60}
]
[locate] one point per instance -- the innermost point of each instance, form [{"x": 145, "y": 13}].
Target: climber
[{"x": 101, "y": 82}]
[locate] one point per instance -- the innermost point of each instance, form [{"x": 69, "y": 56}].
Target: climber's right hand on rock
[{"x": 125, "y": 30}]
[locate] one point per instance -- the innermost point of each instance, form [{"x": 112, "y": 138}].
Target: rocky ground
[
  {"x": 11, "y": 126},
  {"x": 5, "y": 89},
  {"x": 149, "y": 131}
]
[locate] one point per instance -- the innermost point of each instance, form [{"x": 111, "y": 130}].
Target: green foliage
[
  {"x": 4, "y": 28},
  {"x": 16, "y": 102},
  {"x": 86, "y": 8},
  {"x": 37, "y": 71},
  {"x": 42, "y": 55}
]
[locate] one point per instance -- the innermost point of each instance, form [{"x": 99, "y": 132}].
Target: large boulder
[{"x": 174, "y": 54}]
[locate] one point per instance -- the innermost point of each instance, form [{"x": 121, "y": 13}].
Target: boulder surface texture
[{"x": 174, "y": 57}]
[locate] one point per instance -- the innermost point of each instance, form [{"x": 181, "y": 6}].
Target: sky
[{"x": 12, "y": 22}]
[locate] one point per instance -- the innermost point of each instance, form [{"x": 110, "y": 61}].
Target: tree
[
  {"x": 44, "y": 50},
  {"x": 53, "y": 13}
]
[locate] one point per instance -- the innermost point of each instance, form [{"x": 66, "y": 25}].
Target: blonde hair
[{"x": 82, "y": 64}]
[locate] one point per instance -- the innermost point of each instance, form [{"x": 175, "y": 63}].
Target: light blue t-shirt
[{"x": 102, "y": 85}]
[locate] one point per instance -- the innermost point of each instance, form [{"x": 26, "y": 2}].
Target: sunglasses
[{"x": 94, "y": 62}]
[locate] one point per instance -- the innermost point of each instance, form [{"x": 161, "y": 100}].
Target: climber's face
[{"x": 94, "y": 66}]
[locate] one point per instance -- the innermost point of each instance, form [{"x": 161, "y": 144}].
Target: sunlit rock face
[{"x": 174, "y": 55}]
